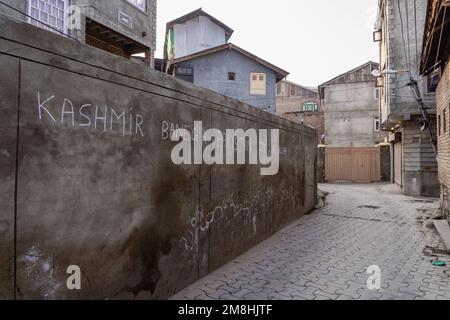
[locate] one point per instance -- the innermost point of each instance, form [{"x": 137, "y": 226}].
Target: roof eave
[{"x": 280, "y": 73}]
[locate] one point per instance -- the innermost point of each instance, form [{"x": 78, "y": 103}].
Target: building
[
  {"x": 352, "y": 126},
  {"x": 124, "y": 27},
  {"x": 350, "y": 103},
  {"x": 435, "y": 64},
  {"x": 301, "y": 105},
  {"x": 197, "y": 50},
  {"x": 399, "y": 32}
]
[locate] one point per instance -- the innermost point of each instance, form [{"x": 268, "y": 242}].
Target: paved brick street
[{"x": 325, "y": 255}]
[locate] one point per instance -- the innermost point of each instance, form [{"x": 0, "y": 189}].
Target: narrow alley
[{"x": 325, "y": 255}]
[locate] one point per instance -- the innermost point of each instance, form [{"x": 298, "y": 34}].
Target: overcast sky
[{"x": 315, "y": 40}]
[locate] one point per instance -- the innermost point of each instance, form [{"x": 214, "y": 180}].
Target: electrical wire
[
  {"x": 403, "y": 35},
  {"x": 416, "y": 37},
  {"x": 407, "y": 33}
]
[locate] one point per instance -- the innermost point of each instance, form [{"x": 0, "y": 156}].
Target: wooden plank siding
[{"x": 352, "y": 164}]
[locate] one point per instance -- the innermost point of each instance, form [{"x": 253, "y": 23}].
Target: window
[
  {"x": 52, "y": 13},
  {"x": 439, "y": 125},
  {"x": 377, "y": 35},
  {"x": 231, "y": 76},
  {"x": 141, "y": 4},
  {"x": 279, "y": 89},
  {"x": 433, "y": 81},
  {"x": 310, "y": 107},
  {"x": 258, "y": 84},
  {"x": 293, "y": 93},
  {"x": 377, "y": 124},
  {"x": 185, "y": 73},
  {"x": 376, "y": 93},
  {"x": 444, "y": 123}
]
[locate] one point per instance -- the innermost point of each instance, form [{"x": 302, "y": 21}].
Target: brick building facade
[
  {"x": 435, "y": 65},
  {"x": 300, "y": 105}
]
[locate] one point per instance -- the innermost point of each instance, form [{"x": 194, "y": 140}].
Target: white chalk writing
[{"x": 102, "y": 118}]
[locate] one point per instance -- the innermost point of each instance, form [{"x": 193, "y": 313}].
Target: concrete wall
[
  {"x": 75, "y": 191},
  {"x": 397, "y": 99},
  {"x": 321, "y": 176},
  {"x": 419, "y": 162},
  {"x": 105, "y": 13},
  {"x": 197, "y": 35},
  {"x": 211, "y": 72},
  {"x": 350, "y": 110}
]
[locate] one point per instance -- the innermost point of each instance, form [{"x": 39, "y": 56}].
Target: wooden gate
[{"x": 352, "y": 164}]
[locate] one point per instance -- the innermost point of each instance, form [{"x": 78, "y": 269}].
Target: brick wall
[
  {"x": 289, "y": 106},
  {"x": 443, "y": 102}
]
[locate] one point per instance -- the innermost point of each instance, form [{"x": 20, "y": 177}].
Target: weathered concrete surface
[
  {"x": 321, "y": 178},
  {"x": 105, "y": 196},
  {"x": 385, "y": 163},
  {"x": 9, "y": 84}
]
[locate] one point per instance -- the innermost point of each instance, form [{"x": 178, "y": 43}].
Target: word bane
[
  {"x": 252, "y": 144},
  {"x": 89, "y": 115}
]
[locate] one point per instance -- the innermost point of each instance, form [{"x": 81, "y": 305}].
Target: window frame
[
  {"x": 310, "y": 103},
  {"x": 258, "y": 92},
  {"x": 439, "y": 125},
  {"x": 377, "y": 124},
  {"x": 137, "y": 6},
  {"x": 376, "y": 93},
  {"x": 30, "y": 19},
  {"x": 445, "y": 120}
]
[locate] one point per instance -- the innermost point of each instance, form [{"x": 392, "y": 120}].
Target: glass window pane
[
  {"x": 35, "y": 13},
  {"x": 44, "y": 17}
]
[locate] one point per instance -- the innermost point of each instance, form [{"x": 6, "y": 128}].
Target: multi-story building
[
  {"x": 301, "y": 105},
  {"x": 350, "y": 103},
  {"x": 352, "y": 126},
  {"x": 124, "y": 27},
  {"x": 435, "y": 64},
  {"x": 399, "y": 31},
  {"x": 197, "y": 50}
]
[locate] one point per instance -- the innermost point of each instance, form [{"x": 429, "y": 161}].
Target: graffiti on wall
[{"x": 88, "y": 115}]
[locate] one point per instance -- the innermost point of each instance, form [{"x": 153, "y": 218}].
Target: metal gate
[{"x": 352, "y": 164}]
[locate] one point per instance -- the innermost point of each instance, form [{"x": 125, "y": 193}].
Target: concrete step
[{"x": 443, "y": 228}]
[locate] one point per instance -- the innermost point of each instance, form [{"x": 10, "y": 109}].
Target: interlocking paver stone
[{"x": 325, "y": 255}]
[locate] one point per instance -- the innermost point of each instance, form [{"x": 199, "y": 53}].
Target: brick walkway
[{"x": 325, "y": 255}]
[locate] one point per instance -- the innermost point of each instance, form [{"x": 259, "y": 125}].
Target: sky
[{"x": 314, "y": 40}]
